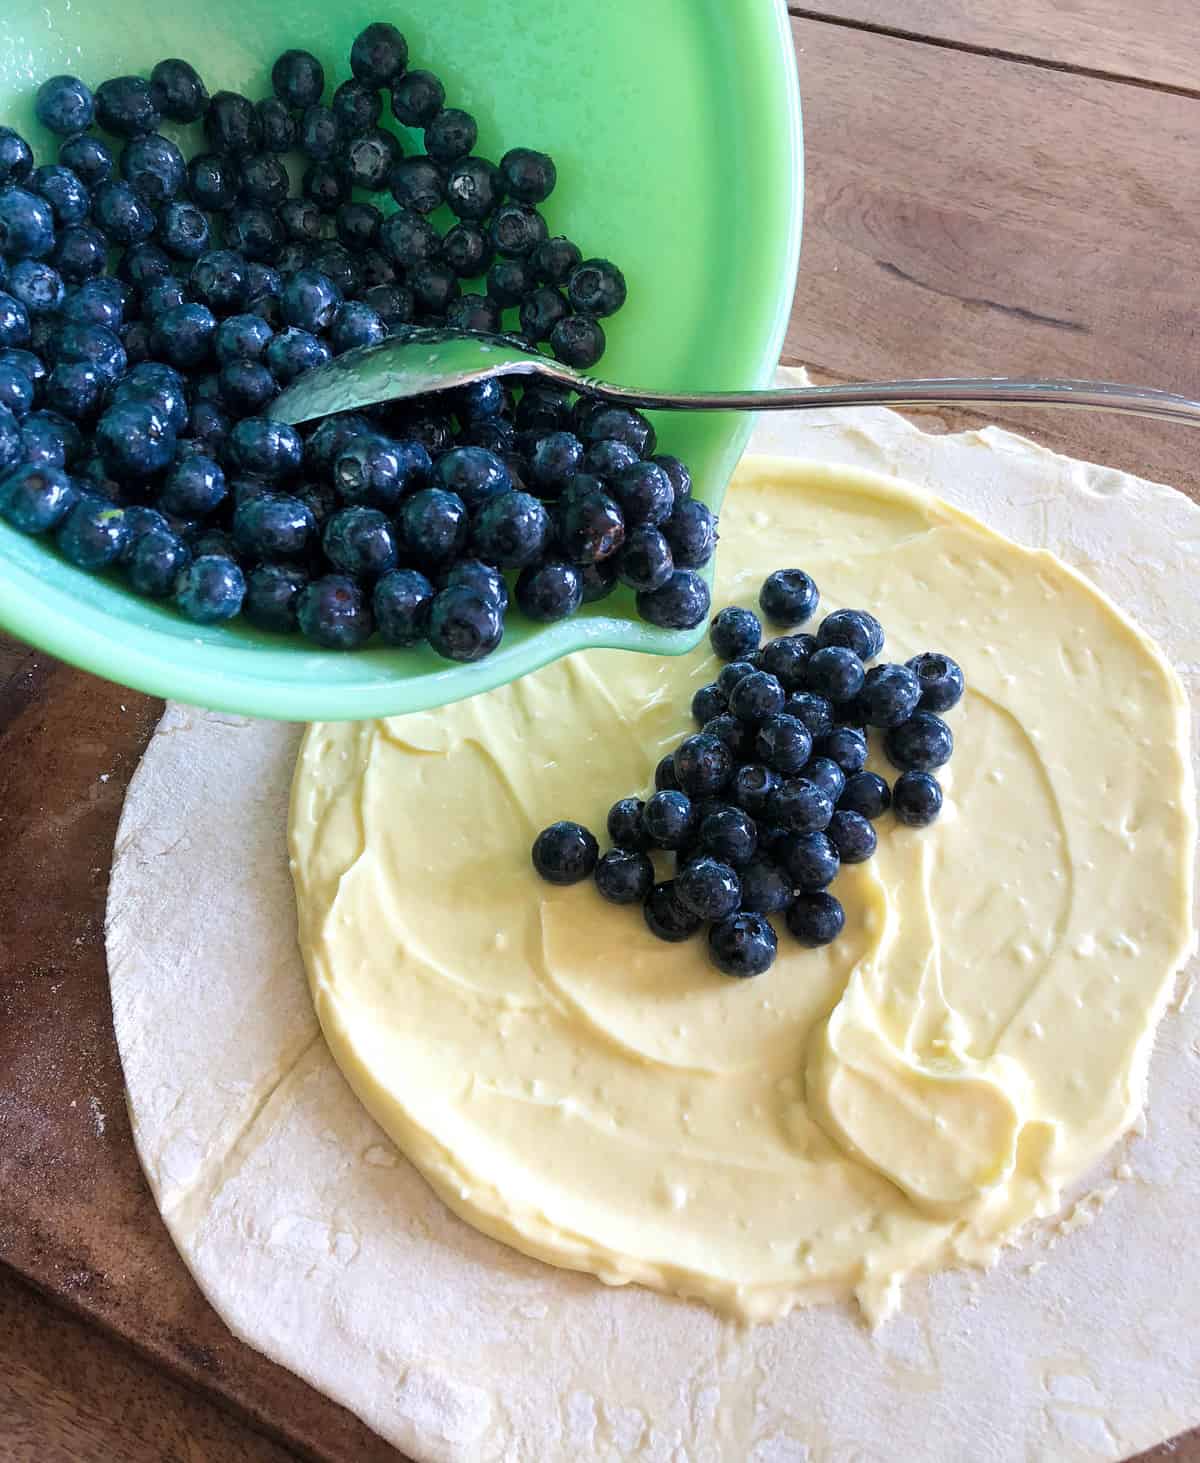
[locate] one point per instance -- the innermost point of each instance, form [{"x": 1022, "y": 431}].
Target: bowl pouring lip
[{"x": 185, "y": 667}]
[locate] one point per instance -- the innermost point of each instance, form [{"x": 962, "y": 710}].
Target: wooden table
[{"x": 1003, "y": 186}]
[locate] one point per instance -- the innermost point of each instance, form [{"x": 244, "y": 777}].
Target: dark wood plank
[
  {"x": 1155, "y": 42},
  {"x": 968, "y": 216}
]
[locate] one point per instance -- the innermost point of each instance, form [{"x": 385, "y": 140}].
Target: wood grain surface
[{"x": 1002, "y": 186}]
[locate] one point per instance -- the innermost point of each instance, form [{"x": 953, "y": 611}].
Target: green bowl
[{"x": 676, "y": 129}]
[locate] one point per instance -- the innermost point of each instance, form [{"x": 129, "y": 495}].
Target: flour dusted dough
[{"x": 324, "y": 1249}]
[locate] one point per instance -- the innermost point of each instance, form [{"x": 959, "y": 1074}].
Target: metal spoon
[{"x": 426, "y": 360}]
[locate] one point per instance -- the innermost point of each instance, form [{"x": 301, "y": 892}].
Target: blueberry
[
  {"x": 541, "y": 310},
  {"x": 253, "y": 231},
  {"x": 940, "y": 679},
  {"x": 825, "y": 774},
  {"x": 463, "y": 625},
  {"x": 157, "y": 299},
  {"x": 624, "y": 876},
  {"x": 292, "y": 352},
  {"x": 310, "y": 301},
  {"x": 369, "y": 160},
  {"x": 357, "y": 227},
  {"x": 645, "y": 494},
  {"x": 708, "y": 888},
  {"x": 787, "y": 659},
  {"x": 730, "y": 835},
  {"x": 298, "y": 79},
  {"x": 889, "y": 695},
  {"x": 16, "y": 158},
  {"x": 379, "y": 54},
  {"x": 529, "y": 176},
  {"x": 434, "y": 525},
  {"x": 755, "y": 696},
  {"x": 743, "y": 945},
  {"x": 264, "y": 180},
  {"x": 516, "y": 230},
  {"x": 64, "y": 105},
  {"x": 36, "y": 497},
  {"x": 153, "y": 167},
  {"x": 855, "y": 629},
  {"x": 681, "y": 603},
  {"x": 800, "y": 806},
  {"x": 555, "y": 459},
  {"x": 467, "y": 250},
  {"x": 666, "y": 917},
  {"x": 242, "y": 338},
  {"x": 543, "y": 407},
  {"x": 731, "y": 674},
  {"x": 450, "y": 135},
  {"x": 278, "y": 126},
  {"x": 511, "y": 530},
  {"x": 866, "y": 793},
  {"x": 75, "y": 389},
  {"x": 184, "y": 335},
  {"x": 417, "y": 98},
  {"x": 231, "y": 125},
  {"x": 815, "y": 919},
  {"x": 161, "y": 386},
  {"x": 98, "y": 302},
  {"x": 916, "y": 799},
  {"x": 263, "y": 283},
  {"x": 320, "y": 133},
  {"x": 691, "y": 531},
  {"x": 852, "y": 835},
  {"x": 94, "y": 534},
  {"x": 625, "y": 825},
  {"x": 766, "y": 888},
  {"x": 69, "y": 199},
  {"x": 788, "y": 597},
  {"x": 357, "y": 107},
  {"x": 473, "y": 189},
  {"x": 276, "y": 526},
  {"x": 80, "y": 254},
  {"x": 591, "y": 528},
  {"x": 703, "y": 765},
  {"x": 50, "y": 440},
  {"x": 754, "y": 788},
  {"x": 26, "y": 225},
  {"x": 37, "y": 287},
  {"x": 836, "y": 673},
  {"x": 920, "y": 744},
  {"x": 355, "y": 325},
  {"x": 508, "y": 280},
  {"x": 668, "y": 818},
  {"x": 178, "y": 91},
  {"x": 125, "y": 106},
  {"x": 810, "y": 859},
  {"x": 88, "y": 158},
  {"x": 606, "y": 458},
  {"x": 213, "y": 182},
  {"x": 17, "y": 393},
  {"x": 707, "y": 702},
  {"x": 328, "y": 439},
  {"x": 11, "y": 445},
  {"x": 194, "y": 486},
  {"x": 596, "y": 288},
  {"x": 360, "y": 542},
  {"x": 554, "y": 259},
  {"x": 816, "y": 712},
  {"x": 577, "y": 341},
  {"x": 734, "y": 632},
  {"x": 844, "y": 745},
  {"x": 14, "y": 322},
  {"x": 619, "y": 422},
  {"x": 272, "y": 596},
  {"x": 135, "y": 439},
  {"x": 645, "y": 563},
  {"x": 664, "y": 775},
  {"x": 333, "y": 613},
  {"x": 210, "y": 589},
  {"x": 155, "y": 560},
  {"x": 266, "y": 449},
  {"x": 377, "y": 470},
  {"x": 551, "y": 591},
  {"x": 783, "y": 742},
  {"x": 402, "y": 601},
  {"x": 434, "y": 285}
]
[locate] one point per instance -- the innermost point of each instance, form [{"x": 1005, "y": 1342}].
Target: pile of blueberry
[
  {"x": 131, "y": 403},
  {"x": 764, "y": 804}
]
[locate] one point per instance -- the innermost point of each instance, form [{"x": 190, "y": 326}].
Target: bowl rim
[{"x": 157, "y": 662}]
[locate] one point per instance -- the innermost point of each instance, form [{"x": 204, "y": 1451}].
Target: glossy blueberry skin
[
  {"x": 552, "y": 591},
  {"x": 98, "y": 302},
  {"x": 357, "y": 107},
  {"x": 298, "y": 79},
  {"x": 75, "y": 389},
  {"x": 402, "y": 601},
  {"x": 730, "y": 835},
  {"x": 37, "y": 287},
  {"x": 668, "y": 818},
  {"x": 213, "y": 182},
  {"x": 194, "y": 486},
  {"x": 707, "y": 702},
  {"x": 734, "y": 633},
  {"x": 753, "y": 789},
  {"x": 810, "y": 860},
  {"x": 681, "y": 603},
  {"x": 125, "y": 106},
  {"x": 450, "y": 135},
  {"x": 464, "y": 626},
  {"x": 844, "y": 745},
  {"x": 578, "y": 341},
  {"x": 664, "y": 774},
  {"x": 815, "y": 919},
  {"x": 94, "y": 534},
  {"x": 856, "y": 629},
  {"x": 816, "y": 712},
  {"x": 310, "y": 301},
  {"x": 743, "y": 945},
  {"x": 481, "y": 577},
  {"x": 434, "y": 526},
  {"x": 596, "y": 288},
  {"x": 866, "y": 793},
  {"x": 159, "y": 384},
  {"x": 231, "y": 125},
  {"x": 210, "y": 589},
  {"x": 14, "y": 322},
  {"x": 835, "y": 672},
  {"x": 889, "y": 695},
  {"x": 691, "y": 531},
  {"x": 36, "y": 497},
  {"x": 355, "y": 325},
  {"x": 788, "y": 597},
  {"x": 16, "y": 158},
  {"x": 474, "y": 188},
  {"x": 824, "y": 773},
  {"x": 326, "y": 441},
  {"x": 361, "y": 542},
  {"x": 26, "y": 225},
  {"x": 17, "y": 392},
  {"x": 379, "y": 54},
  {"x": 800, "y": 806},
  {"x": 155, "y": 560},
  {"x": 703, "y": 765},
  {"x": 940, "y": 678},
  {"x": 357, "y": 227},
  {"x": 417, "y": 183},
  {"x": 333, "y": 613},
  {"x": 253, "y": 231},
  {"x": 266, "y": 449},
  {"x": 89, "y": 158},
  {"x": 555, "y": 459},
  {"x": 731, "y": 674},
  {"x": 598, "y": 580},
  {"x": 242, "y": 338},
  {"x": 153, "y": 167},
  {"x": 80, "y": 254},
  {"x": 178, "y": 91},
  {"x": 245, "y": 388},
  {"x": 49, "y": 439},
  {"x": 787, "y": 659},
  {"x": 528, "y": 175},
  {"x": 591, "y": 526},
  {"x": 784, "y": 743},
  {"x": 368, "y": 161},
  {"x": 184, "y": 336},
  {"x": 755, "y": 696},
  {"x": 541, "y": 310},
  {"x": 11, "y": 445},
  {"x": 511, "y": 530},
  {"x": 264, "y": 180},
  {"x": 274, "y": 526},
  {"x": 516, "y": 230},
  {"x": 166, "y": 295},
  {"x": 708, "y": 888},
  {"x": 272, "y": 596},
  {"x": 852, "y": 835},
  {"x": 64, "y": 105},
  {"x": 624, "y": 876},
  {"x": 645, "y": 562},
  {"x": 766, "y": 888},
  {"x": 625, "y": 825},
  {"x": 292, "y": 352},
  {"x": 916, "y": 799},
  {"x": 554, "y": 259},
  {"x": 920, "y": 744},
  {"x": 417, "y": 97},
  {"x": 135, "y": 440},
  {"x": 377, "y": 470},
  {"x": 69, "y": 199},
  {"x": 666, "y": 917}
]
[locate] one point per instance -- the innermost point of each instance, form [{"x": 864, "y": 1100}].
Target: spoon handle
[{"x": 1143, "y": 401}]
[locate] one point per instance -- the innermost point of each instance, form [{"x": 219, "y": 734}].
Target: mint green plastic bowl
[{"x": 675, "y": 125}]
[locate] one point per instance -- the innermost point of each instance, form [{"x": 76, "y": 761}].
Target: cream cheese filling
[{"x": 903, "y": 1100}]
